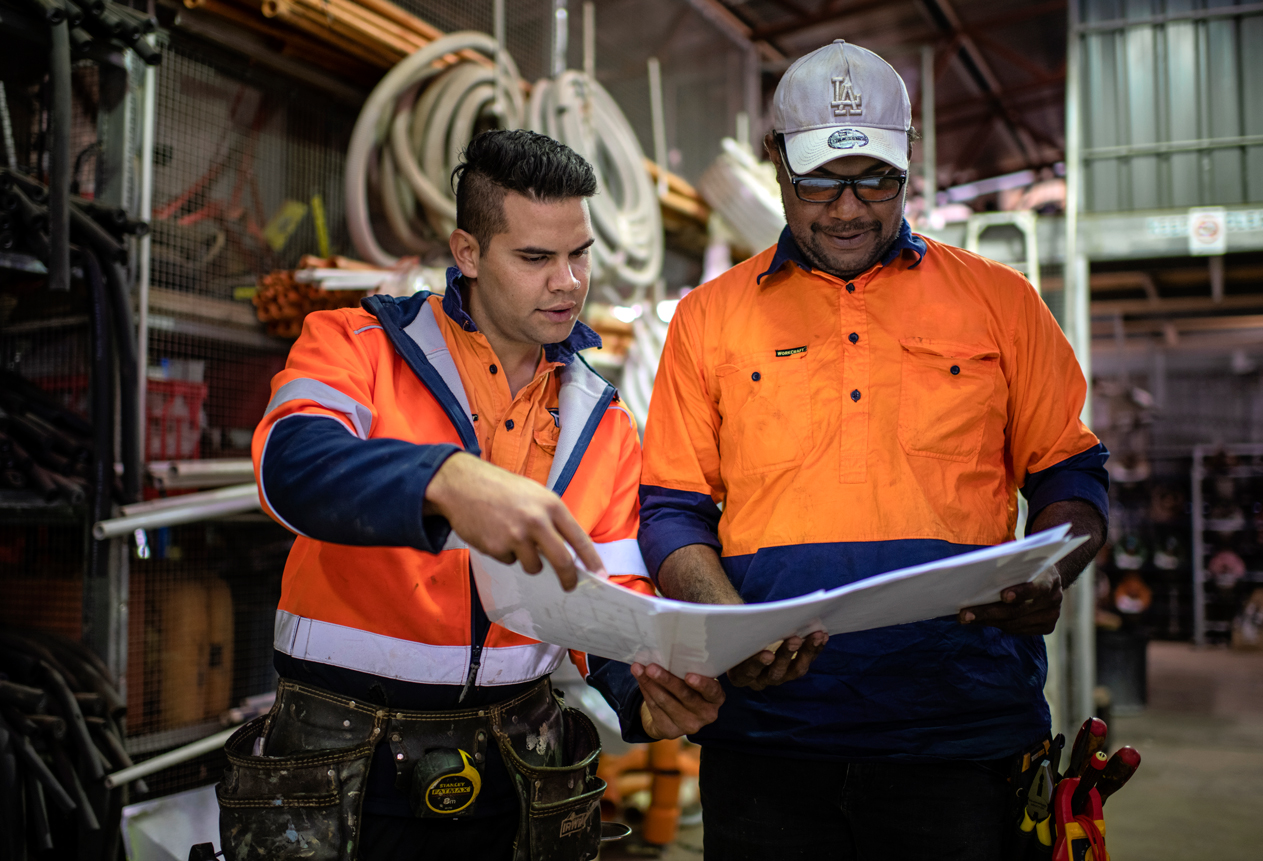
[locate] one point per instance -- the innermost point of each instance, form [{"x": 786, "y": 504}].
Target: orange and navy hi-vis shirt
[
  {"x": 377, "y": 600},
  {"x": 849, "y": 428}
]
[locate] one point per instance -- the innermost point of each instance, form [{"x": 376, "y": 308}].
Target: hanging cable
[
  {"x": 576, "y": 110},
  {"x": 414, "y": 126}
]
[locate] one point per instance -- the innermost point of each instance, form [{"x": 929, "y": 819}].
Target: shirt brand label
[{"x": 792, "y": 351}]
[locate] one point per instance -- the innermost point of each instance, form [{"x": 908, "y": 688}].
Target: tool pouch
[
  {"x": 560, "y": 794},
  {"x": 281, "y": 807}
]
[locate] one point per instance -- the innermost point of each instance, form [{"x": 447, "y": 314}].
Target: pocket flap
[{"x": 949, "y": 349}]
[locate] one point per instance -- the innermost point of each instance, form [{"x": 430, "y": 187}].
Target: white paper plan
[{"x": 605, "y": 619}]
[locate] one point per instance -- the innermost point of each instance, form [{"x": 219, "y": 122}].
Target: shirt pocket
[
  {"x": 765, "y": 405},
  {"x": 945, "y": 395}
]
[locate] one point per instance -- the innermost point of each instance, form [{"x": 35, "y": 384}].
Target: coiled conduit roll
[
  {"x": 576, "y": 110},
  {"x": 414, "y": 125}
]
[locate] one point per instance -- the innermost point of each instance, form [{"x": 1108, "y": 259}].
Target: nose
[
  {"x": 848, "y": 206},
  {"x": 564, "y": 276}
]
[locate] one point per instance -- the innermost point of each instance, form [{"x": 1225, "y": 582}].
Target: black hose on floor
[{"x": 59, "y": 160}]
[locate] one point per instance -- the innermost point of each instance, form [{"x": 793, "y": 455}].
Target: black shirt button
[
  {"x": 508, "y": 425},
  {"x": 755, "y": 376},
  {"x": 955, "y": 369},
  {"x": 853, "y": 338},
  {"x": 855, "y": 395},
  {"x": 850, "y": 288},
  {"x": 494, "y": 369}
]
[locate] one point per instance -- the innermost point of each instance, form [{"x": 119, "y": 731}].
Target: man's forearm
[
  {"x": 1084, "y": 519},
  {"x": 694, "y": 574}
]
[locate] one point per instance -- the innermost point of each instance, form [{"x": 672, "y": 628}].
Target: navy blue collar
[
  {"x": 787, "y": 251},
  {"x": 581, "y": 337}
]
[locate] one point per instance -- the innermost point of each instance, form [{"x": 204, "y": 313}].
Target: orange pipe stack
[{"x": 662, "y": 819}]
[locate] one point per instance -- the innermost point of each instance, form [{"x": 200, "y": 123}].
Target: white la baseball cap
[{"x": 842, "y": 100}]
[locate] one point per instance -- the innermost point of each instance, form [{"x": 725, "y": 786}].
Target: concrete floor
[
  {"x": 1198, "y": 795},
  {"x": 1199, "y": 791}
]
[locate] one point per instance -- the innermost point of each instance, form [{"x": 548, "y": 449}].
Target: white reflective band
[
  {"x": 304, "y": 389},
  {"x": 353, "y": 649},
  {"x": 424, "y": 330},
  {"x": 622, "y": 557},
  {"x": 581, "y": 391},
  {"x": 362, "y": 329},
  {"x": 509, "y": 665},
  {"x": 407, "y": 660},
  {"x": 454, "y": 542}
]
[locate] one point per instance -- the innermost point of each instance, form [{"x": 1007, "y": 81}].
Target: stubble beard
[{"x": 808, "y": 243}]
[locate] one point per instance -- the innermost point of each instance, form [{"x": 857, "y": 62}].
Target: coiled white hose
[
  {"x": 414, "y": 125},
  {"x": 576, "y": 110},
  {"x": 641, "y": 366},
  {"x": 744, "y": 192}
]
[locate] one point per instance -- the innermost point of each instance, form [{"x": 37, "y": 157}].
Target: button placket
[{"x": 853, "y": 439}]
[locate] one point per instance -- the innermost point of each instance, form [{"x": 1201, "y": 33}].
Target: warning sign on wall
[{"x": 1207, "y": 230}]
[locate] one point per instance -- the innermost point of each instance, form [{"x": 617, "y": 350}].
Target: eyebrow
[{"x": 531, "y": 251}]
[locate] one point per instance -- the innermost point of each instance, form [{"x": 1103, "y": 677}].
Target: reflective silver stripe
[
  {"x": 622, "y": 557},
  {"x": 304, "y": 389},
  {"x": 353, "y": 649},
  {"x": 509, "y": 665},
  {"x": 408, "y": 660},
  {"x": 424, "y": 330},
  {"x": 454, "y": 542},
  {"x": 581, "y": 391},
  {"x": 362, "y": 329}
]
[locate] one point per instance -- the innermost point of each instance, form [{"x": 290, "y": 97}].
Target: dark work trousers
[
  {"x": 398, "y": 838},
  {"x": 775, "y": 808}
]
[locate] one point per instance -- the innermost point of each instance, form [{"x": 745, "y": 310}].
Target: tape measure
[{"x": 448, "y": 781}]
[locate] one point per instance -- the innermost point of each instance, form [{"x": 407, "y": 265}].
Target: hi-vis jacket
[
  {"x": 850, "y": 428},
  {"x": 372, "y": 401}
]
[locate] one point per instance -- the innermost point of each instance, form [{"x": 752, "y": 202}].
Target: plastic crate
[
  {"x": 174, "y": 420},
  {"x": 173, "y": 429}
]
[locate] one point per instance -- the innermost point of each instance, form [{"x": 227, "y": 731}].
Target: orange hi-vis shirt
[
  {"x": 904, "y": 404},
  {"x": 817, "y": 431},
  {"x": 371, "y": 403}
]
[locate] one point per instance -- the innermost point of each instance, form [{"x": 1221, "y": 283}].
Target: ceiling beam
[
  {"x": 1177, "y": 305},
  {"x": 827, "y": 15}
]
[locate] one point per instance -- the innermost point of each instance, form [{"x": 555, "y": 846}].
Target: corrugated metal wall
[{"x": 1173, "y": 103}]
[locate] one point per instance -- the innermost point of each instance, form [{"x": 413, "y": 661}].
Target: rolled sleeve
[
  {"x": 671, "y": 519},
  {"x": 1082, "y": 476}
]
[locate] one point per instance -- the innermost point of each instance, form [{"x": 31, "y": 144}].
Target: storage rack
[{"x": 1214, "y": 606}]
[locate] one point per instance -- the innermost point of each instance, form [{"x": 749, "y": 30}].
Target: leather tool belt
[{"x": 294, "y": 785}]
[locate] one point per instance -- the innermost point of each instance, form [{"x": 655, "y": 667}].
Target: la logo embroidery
[{"x": 847, "y": 101}]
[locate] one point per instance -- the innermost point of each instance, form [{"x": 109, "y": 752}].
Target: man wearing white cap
[{"x": 859, "y": 399}]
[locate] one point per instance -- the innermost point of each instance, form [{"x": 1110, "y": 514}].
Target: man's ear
[
  {"x": 466, "y": 252},
  {"x": 770, "y": 147}
]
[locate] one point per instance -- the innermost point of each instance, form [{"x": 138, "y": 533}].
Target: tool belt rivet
[
  {"x": 399, "y": 756},
  {"x": 346, "y": 723}
]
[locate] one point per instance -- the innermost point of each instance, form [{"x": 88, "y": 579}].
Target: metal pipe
[
  {"x": 658, "y": 120},
  {"x": 239, "y": 491},
  {"x": 59, "y": 160},
  {"x": 168, "y": 759},
  {"x": 929, "y": 138},
  {"x": 589, "y": 39},
  {"x": 143, "y": 250},
  {"x": 561, "y": 37},
  {"x": 183, "y": 509}
]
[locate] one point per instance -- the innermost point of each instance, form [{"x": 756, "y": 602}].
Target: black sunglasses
[{"x": 817, "y": 189}]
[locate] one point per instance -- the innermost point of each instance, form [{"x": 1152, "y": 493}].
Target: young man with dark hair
[{"x": 400, "y": 434}]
